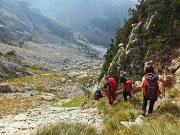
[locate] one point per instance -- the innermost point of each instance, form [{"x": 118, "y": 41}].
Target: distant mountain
[
  {"x": 97, "y": 20},
  {"x": 20, "y": 22},
  {"x": 57, "y": 20}
]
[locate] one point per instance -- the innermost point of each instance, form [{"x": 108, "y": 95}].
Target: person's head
[
  {"x": 106, "y": 78},
  {"x": 105, "y": 87},
  {"x": 149, "y": 69}
]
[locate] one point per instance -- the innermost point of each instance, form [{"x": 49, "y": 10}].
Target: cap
[{"x": 121, "y": 44}]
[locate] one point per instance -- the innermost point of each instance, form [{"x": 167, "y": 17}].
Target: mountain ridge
[
  {"x": 43, "y": 21},
  {"x": 20, "y": 23}
]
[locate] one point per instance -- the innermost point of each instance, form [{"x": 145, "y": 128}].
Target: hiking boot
[{"x": 143, "y": 113}]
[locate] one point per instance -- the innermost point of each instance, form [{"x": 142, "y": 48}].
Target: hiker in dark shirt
[{"x": 127, "y": 87}]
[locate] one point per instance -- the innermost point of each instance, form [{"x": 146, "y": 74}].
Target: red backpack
[
  {"x": 128, "y": 86},
  {"x": 113, "y": 84},
  {"x": 151, "y": 86}
]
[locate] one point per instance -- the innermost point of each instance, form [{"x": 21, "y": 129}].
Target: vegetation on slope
[
  {"x": 161, "y": 122},
  {"x": 161, "y": 37}
]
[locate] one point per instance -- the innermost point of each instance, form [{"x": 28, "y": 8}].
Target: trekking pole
[
  {"x": 164, "y": 92},
  {"x": 134, "y": 102}
]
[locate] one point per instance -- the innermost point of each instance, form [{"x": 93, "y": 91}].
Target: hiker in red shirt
[
  {"x": 110, "y": 87},
  {"x": 150, "y": 87}
]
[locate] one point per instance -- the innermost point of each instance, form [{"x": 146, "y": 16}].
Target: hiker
[
  {"x": 150, "y": 87},
  {"x": 99, "y": 94},
  {"x": 127, "y": 87},
  {"x": 110, "y": 87}
]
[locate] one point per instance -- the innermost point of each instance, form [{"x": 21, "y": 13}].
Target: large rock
[
  {"x": 6, "y": 87},
  {"x": 11, "y": 69},
  {"x": 175, "y": 68}
]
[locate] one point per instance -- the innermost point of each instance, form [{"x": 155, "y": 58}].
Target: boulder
[
  {"x": 63, "y": 80},
  {"x": 11, "y": 69},
  {"x": 6, "y": 88}
]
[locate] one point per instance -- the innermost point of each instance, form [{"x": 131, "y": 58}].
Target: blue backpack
[{"x": 98, "y": 92}]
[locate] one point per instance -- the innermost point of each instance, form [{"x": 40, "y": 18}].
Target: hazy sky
[{"x": 79, "y": 15}]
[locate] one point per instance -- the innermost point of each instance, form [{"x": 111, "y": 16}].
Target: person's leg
[
  {"x": 151, "y": 105},
  {"x": 125, "y": 96},
  {"x": 113, "y": 97},
  {"x": 144, "y": 105},
  {"x": 129, "y": 94},
  {"x": 109, "y": 98},
  {"x": 98, "y": 98}
]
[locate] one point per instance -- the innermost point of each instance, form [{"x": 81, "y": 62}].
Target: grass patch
[
  {"x": 19, "y": 81},
  {"x": 15, "y": 105},
  {"x": 103, "y": 106},
  {"x": 160, "y": 128},
  {"x": 169, "y": 107},
  {"x": 173, "y": 93},
  {"x": 67, "y": 129},
  {"x": 76, "y": 102},
  {"x": 163, "y": 120}
]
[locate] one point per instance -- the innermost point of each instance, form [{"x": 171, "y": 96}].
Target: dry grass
[
  {"x": 12, "y": 104},
  {"x": 42, "y": 81}
]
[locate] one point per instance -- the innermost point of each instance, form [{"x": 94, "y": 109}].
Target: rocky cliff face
[
  {"x": 20, "y": 22},
  {"x": 130, "y": 57}
]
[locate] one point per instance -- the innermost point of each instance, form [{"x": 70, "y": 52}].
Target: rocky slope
[
  {"x": 28, "y": 123},
  {"x": 46, "y": 56},
  {"x": 20, "y": 22},
  {"x": 26, "y": 104}
]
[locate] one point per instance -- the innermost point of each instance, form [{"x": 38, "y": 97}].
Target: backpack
[
  {"x": 113, "y": 84},
  {"x": 98, "y": 92},
  {"x": 151, "y": 86},
  {"x": 128, "y": 86}
]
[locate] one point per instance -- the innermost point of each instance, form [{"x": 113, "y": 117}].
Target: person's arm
[
  {"x": 133, "y": 87},
  {"x": 164, "y": 79},
  {"x": 139, "y": 86},
  {"x": 108, "y": 88},
  {"x": 102, "y": 93},
  {"x": 123, "y": 87}
]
